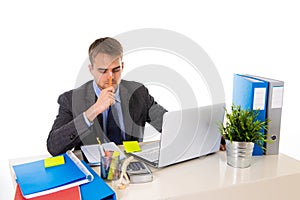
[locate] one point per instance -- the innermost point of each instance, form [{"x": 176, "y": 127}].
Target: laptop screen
[{"x": 189, "y": 133}]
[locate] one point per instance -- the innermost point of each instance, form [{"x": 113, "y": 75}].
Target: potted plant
[{"x": 241, "y": 130}]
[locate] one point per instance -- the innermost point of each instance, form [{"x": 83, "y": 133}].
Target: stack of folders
[
  {"x": 63, "y": 177},
  {"x": 266, "y": 95}
]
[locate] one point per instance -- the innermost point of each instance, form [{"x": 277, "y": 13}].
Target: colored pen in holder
[{"x": 110, "y": 165}]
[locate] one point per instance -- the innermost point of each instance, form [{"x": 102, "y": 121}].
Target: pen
[{"x": 102, "y": 159}]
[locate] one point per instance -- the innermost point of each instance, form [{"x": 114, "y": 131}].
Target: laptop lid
[
  {"x": 190, "y": 133},
  {"x": 186, "y": 134}
]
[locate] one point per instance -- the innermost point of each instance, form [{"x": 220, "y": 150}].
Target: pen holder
[{"x": 110, "y": 166}]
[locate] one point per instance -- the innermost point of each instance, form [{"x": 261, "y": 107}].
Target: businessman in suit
[{"x": 107, "y": 107}]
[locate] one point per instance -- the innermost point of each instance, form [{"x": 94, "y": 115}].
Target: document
[{"x": 92, "y": 153}]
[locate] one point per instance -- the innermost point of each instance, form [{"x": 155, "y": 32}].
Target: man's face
[{"x": 105, "y": 66}]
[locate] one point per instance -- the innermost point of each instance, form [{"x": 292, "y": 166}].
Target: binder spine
[
  {"x": 79, "y": 164},
  {"x": 274, "y": 112}
]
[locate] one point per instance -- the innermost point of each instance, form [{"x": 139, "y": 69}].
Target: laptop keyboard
[{"x": 149, "y": 152}]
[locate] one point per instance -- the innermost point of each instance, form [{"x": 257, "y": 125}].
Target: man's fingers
[
  {"x": 112, "y": 101},
  {"x": 223, "y": 147},
  {"x": 110, "y": 89}
]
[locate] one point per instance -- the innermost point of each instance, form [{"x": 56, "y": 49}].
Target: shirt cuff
[{"x": 87, "y": 121}]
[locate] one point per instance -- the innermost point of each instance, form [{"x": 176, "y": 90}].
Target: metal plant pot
[{"x": 239, "y": 154}]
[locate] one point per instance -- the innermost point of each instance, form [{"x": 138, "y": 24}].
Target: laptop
[{"x": 186, "y": 134}]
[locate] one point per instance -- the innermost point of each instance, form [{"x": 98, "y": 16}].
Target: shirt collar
[{"x": 98, "y": 92}]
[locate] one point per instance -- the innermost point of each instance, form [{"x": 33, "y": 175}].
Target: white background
[{"x": 43, "y": 45}]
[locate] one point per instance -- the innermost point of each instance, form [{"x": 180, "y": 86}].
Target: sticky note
[
  {"x": 54, "y": 161},
  {"x": 131, "y": 146},
  {"x": 113, "y": 165},
  {"x": 116, "y": 153}
]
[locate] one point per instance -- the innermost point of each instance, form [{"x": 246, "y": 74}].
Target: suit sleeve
[
  {"x": 146, "y": 109},
  {"x": 155, "y": 113},
  {"x": 66, "y": 130}
]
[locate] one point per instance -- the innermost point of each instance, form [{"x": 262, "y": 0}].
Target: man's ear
[
  {"x": 90, "y": 67},
  {"x": 122, "y": 65}
]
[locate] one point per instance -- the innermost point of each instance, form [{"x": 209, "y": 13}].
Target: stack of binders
[
  {"x": 71, "y": 179},
  {"x": 266, "y": 95}
]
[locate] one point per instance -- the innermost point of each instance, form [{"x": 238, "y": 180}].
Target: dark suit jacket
[{"x": 70, "y": 130}]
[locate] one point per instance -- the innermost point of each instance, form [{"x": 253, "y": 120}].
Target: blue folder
[
  {"x": 34, "y": 178},
  {"x": 96, "y": 189},
  {"x": 251, "y": 93}
]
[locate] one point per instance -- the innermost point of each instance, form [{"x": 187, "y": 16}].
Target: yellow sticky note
[
  {"x": 54, "y": 161},
  {"x": 131, "y": 146},
  {"x": 113, "y": 165},
  {"x": 116, "y": 153}
]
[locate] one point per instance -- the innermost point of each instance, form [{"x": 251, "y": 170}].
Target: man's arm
[
  {"x": 154, "y": 112},
  {"x": 70, "y": 126},
  {"x": 65, "y": 131}
]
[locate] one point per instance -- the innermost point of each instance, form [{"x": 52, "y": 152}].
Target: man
[{"x": 107, "y": 107}]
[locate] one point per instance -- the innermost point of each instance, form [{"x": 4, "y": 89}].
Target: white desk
[{"x": 269, "y": 177}]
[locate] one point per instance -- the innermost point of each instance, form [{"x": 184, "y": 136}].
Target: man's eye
[
  {"x": 102, "y": 70},
  {"x": 116, "y": 69}
]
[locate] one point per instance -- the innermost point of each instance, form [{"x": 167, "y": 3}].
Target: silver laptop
[{"x": 186, "y": 134}]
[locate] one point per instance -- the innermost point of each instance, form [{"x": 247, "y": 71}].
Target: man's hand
[
  {"x": 222, "y": 147},
  {"x": 106, "y": 98},
  {"x": 223, "y": 144}
]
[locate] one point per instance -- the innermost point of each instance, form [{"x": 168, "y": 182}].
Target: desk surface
[{"x": 209, "y": 177}]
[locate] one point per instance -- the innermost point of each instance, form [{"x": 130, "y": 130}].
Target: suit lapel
[
  {"x": 90, "y": 97},
  {"x": 124, "y": 96}
]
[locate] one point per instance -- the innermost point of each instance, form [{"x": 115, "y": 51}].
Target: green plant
[{"x": 243, "y": 126}]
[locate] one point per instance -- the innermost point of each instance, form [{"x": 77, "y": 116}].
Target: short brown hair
[{"x": 106, "y": 45}]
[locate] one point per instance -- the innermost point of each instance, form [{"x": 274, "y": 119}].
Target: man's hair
[{"x": 106, "y": 45}]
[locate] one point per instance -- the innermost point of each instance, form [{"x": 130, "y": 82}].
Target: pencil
[
  {"x": 100, "y": 147},
  {"x": 110, "y": 79}
]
